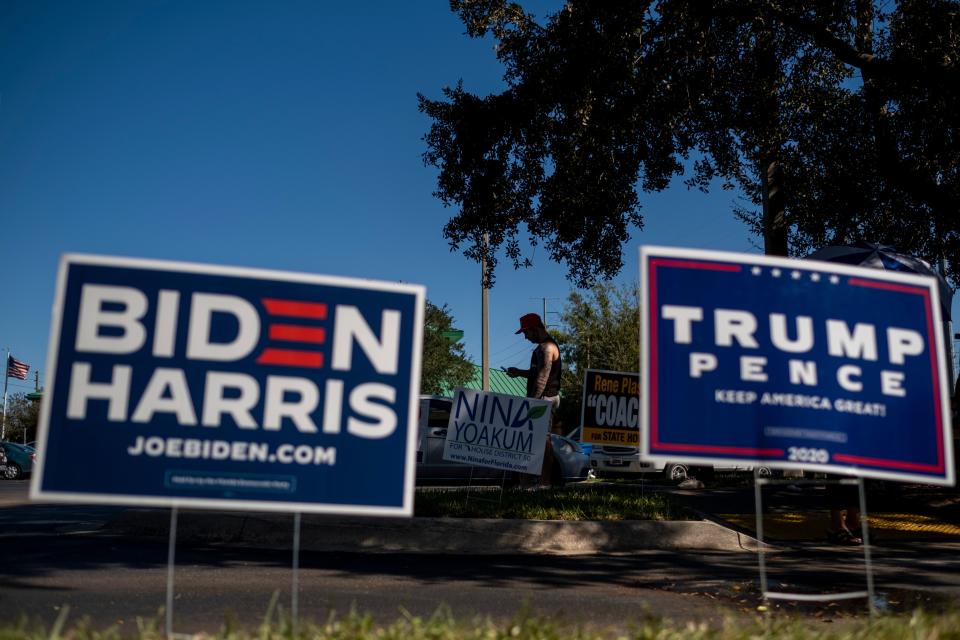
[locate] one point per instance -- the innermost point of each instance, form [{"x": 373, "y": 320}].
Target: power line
[
  {"x": 514, "y": 355},
  {"x": 510, "y": 346},
  {"x": 22, "y": 385}
]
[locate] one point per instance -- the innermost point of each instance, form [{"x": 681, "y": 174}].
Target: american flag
[{"x": 16, "y": 369}]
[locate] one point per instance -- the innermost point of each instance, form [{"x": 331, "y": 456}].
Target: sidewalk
[
  {"x": 798, "y": 513},
  {"x": 431, "y": 535}
]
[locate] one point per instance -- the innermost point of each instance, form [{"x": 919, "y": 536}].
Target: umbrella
[{"x": 881, "y": 256}]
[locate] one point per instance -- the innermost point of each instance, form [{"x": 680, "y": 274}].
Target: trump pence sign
[
  {"x": 197, "y": 385},
  {"x": 798, "y": 363}
]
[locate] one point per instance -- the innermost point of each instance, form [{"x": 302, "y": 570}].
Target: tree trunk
[{"x": 775, "y": 226}]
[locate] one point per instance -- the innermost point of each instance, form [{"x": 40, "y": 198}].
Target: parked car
[
  {"x": 576, "y": 436},
  {"x": 20, "y": 459},
  {"x": 620, "y": 460},
  {"x": 572, "y": 464},
  {"x": 616, "y": 460}
]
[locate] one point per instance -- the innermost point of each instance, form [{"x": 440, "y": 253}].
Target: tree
[
  {"x": 601, "y": 331},
  {"x": 836, "y": 119},
  {"x": 444, "y": 363},
  {"x": 23, "y": 415}
]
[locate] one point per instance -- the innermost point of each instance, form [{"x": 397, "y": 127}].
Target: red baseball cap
[{"x": 529, "y": 321}]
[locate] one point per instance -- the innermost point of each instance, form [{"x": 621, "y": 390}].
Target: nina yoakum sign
[
  {"x": 798, "y": 363},
  {"x": 496, "y": 430},
  {"x": 199, "y": 385}
]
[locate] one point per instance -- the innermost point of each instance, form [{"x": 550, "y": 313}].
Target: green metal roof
[{"x": 500, "y": 382}]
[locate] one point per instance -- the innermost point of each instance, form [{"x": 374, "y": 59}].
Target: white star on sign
[
  {"x": 815, "y": 277},
  {"x": 834, "y": 279},
  {"x": 775, "y": 273},
  {"x": 756, "y": 271},
  {"x": 796, "y": 275}
]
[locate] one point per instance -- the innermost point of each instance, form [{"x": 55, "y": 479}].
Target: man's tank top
[{"x": 536, "y": 364}]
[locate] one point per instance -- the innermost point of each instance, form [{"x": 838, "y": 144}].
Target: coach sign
[
  {"x": 182, "y": 384},
  {"x": 610, "y": 411},
  {"x": 805, "y": 364}
]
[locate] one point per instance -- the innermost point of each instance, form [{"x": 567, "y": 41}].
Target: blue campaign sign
[
  {"x": 796, "y": 363},
  {"x": 206, "y": 386}
]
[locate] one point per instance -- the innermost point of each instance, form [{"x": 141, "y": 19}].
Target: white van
[{"x": 612, "y": 459}]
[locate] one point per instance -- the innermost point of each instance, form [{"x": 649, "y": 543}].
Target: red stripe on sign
[
  {"x": 295, "y": 309},
  {"x": 295, "y": 333},
  {"x": 291, "y": 358},
  {"x": 889, "y": 286},
  {"x": 890, "y": 464},
  {"x": 695, "y": 264}
]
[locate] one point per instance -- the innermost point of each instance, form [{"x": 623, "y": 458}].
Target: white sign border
[
  {"x": 37, "y": 493},
  {"x": 927, "y": 282}
]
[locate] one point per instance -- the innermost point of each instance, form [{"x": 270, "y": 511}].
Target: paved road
[
  {"x": 117, "y": 580},
  {"x": 53, "y": 556}
]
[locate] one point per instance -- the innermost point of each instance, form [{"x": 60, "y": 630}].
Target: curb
[{"x": 433, "y": 535}]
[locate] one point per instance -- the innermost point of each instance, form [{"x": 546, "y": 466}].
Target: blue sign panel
[
  {"x": 181, "y": 384},
  {"x": 796, "y": 363}
]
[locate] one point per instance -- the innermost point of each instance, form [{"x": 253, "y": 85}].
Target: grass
[
  {"x": 444, "y": 626},
  {"x": 580, "y": 502}
]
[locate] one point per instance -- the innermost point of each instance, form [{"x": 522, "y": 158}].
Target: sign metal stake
[
  {"x": 499, "y": 500},
  {"x": 171, "y": 548},
  {"x": 867, "y": 558},
  {"x": 295, "y": 589}
]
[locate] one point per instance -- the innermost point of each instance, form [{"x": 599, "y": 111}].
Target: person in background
[
  {"x": 543, "y": 378},
  {"x": 843, "y": 500}
]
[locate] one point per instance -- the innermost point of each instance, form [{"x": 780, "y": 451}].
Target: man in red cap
[{"x": 543, "y": 376}]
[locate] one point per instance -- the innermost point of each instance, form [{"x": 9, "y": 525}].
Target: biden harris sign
[
  {"x": 797, "y": 363},
  {"x": 206, "y": 386}
]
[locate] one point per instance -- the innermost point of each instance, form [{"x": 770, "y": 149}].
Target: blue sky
[{"x": 274, "y": 135}]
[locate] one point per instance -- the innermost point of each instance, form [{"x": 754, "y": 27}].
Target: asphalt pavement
[{"x": 110, "y": 563}]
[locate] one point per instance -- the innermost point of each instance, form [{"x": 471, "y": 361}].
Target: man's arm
[{"x": 548, "y": 355}]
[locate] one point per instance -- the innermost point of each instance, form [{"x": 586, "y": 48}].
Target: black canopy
[{"x": 880, "y": 256}]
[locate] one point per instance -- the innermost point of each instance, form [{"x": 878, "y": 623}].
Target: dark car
[{"x": 20, "y": 459}]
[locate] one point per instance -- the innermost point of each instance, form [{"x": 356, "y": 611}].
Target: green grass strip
[
  {"x": 579, "y": 502},
  {"x": 443, "y": 626}
]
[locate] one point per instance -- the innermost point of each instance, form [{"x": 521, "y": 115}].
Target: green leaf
[{"x": 537, "y": 412}]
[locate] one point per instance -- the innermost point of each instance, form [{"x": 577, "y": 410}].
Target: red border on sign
[
  {"x": 898, "y": 464},
  {"x": 654, "y": 395},
  {"x": 736, "y": 268}
]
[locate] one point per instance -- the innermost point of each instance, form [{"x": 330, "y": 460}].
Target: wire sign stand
[
  {"x": 767, "y": 594},
  {"x": 498, "y": 500},
  {"x": 171, "y": 564}
]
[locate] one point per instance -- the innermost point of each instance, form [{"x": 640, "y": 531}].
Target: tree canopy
[
  {"x": 444, "y": 362},
  {"x": 836, "y": 118},
  {"x": 23, "y": 415},
  {"x": 601, "y": 331}
]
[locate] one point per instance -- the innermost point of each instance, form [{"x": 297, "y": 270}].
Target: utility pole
[
  {"x": 6, "y": 378},
  {"x": 485, "y": 321},
  {"x": 544, "y": 316}
]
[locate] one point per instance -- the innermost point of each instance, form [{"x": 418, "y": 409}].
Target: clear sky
[{"x": 281, "y": 135}]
